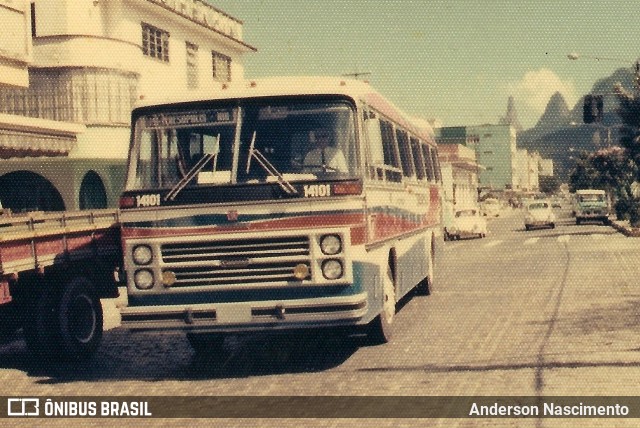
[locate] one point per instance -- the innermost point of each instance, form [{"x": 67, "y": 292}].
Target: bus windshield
[{"x": 255, "y": 141}]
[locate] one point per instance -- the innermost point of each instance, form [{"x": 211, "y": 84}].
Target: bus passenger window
[
  {"x": 428, "y": 163},
  {"x": 391, "y": 161},
  {"x": 417, "y": 158},
  {"x": 405, "y": 153}
]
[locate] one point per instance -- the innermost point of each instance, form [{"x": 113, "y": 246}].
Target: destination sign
[{"x": 173, "y": 120}]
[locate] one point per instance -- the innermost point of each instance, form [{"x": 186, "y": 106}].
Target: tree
[
  {"x": 608, "y": 169},
  {"x": 583, "y": 175},
  {"x": 629, "y": 112}
]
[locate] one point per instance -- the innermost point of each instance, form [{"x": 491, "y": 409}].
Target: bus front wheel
[{"x": 380, "y": 330}]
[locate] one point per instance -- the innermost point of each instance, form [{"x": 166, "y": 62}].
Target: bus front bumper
[{"x": 248, "y": 316}]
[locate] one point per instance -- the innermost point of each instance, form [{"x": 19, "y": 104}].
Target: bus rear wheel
[{"x": 425, "y": 286}]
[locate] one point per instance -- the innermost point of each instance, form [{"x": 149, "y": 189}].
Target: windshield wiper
[
  {"x": 192, "y": 173},
  {"x": 268, "y": 167}
]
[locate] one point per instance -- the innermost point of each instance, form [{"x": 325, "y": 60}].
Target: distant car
[
  {"x": 491, "y": 207},
  {"x": 467, "y": 223},
  {"x": 539, "y": 214}
]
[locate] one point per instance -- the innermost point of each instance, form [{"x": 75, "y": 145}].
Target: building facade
[
  {"x": 496, "y": 152},
  {"x": 92, "y": 60},
  {"x": 15, "y": 45},
  {"x": 495, "y": 149},
  {"x": 528, "y": 170},
  {"x": 457, "y": 154}
]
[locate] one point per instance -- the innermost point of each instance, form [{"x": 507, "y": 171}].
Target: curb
[{"x": 625, "y": 229}]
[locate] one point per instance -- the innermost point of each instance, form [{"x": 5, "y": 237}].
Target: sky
[{"x": 453, "y": 61}]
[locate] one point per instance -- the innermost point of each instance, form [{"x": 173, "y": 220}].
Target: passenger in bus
[{"x": 324, "y": 156}]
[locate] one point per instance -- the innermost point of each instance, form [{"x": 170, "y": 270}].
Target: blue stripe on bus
[{"x": 223, "y": 220}]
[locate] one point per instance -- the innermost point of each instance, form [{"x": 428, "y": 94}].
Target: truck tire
[
  {"x": 67, "y": 322},
  {"x": 206, "y": 344},
  {"x": 9, "y": 314}
]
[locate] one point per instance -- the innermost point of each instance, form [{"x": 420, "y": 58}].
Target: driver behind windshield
[{"x": 324, "y": 156}]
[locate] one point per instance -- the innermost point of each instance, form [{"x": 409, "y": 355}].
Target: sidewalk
[{"x": 623, "y": 227}]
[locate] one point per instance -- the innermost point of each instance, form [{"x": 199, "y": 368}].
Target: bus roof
[{"x": 304, "y": 85}]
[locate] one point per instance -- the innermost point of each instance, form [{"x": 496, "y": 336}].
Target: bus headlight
[
  {"x": 143, "y": 279},
  {"x": 330, "y": 244},
  {"x": 142, "y": 254},
  {"x": 332, "y": 269}
]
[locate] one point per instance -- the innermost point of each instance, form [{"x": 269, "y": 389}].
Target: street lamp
[{"x": 574, "y": 56}]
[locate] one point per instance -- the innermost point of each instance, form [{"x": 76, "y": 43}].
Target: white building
[
  {"x": 546, "y": 167},
  {"x": 528, "y": 168},
  {"x": 92, "y": 60},
  {"x": 15, "y": 45}
]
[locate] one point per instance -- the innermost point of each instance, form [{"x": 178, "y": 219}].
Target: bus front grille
[{"x": 248, "y": 262}]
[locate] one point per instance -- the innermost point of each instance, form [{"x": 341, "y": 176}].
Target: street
[{"x": 549, "y": 312}]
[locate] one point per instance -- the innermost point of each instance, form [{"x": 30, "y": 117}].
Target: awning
[
  {"x": 22, "y": 136},
  {"x": 24, "y": 144}
]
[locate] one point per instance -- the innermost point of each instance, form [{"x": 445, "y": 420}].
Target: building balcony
[{"x": 70, "y": 51}]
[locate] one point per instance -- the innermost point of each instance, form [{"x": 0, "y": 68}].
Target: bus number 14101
[{"x": 148, "y": 200}]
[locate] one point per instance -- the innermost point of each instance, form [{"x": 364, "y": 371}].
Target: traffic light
[{"x": 593, "y": 108}]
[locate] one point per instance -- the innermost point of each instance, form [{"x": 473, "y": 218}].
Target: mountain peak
[
  {"x": 511, "y": 118},
  {"x": 556, "y": 114}
]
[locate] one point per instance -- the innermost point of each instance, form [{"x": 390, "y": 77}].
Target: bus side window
[
  {"x": 417, "y": 158},
  {"x": 405, "y": 153},
  {"x": 376, "y": 155},
  {"x": 428, "y": 163},
  {"x": 436, "y": 164},
  {"x": 391, "y": 161}
]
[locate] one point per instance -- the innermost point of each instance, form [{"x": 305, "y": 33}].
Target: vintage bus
[{"x": 278, "y": 205}]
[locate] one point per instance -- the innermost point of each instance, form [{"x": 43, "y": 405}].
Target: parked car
[
  {"x": 467, "y": 222},
  {"x": 491, "y": 207},
  {"x": 538, "y": 213}
]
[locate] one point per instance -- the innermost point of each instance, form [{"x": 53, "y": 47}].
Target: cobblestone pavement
[{"x": 542, "y": 313}]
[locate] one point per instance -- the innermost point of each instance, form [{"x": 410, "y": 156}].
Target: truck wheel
[
  {"x": 66, "y": 322},
  {"x": 10, "y": 316},
  {"x": 206, "y": 343},
  {"x": 80, "y": 319}
]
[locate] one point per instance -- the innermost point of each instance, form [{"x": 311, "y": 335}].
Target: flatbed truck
[{"x": 54, "y": 269}]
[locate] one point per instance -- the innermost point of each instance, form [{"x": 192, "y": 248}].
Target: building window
[
  {"x": 192, "y": 65},
  {"x": 221, "y": 67},
  {"x": 155, "y": 42}
]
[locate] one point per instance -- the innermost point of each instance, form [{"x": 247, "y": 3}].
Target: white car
[
  {"x": 467, "y": 223},
  {"x": 491, "y": 207},
  {"x": 538, "y": 213}
]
